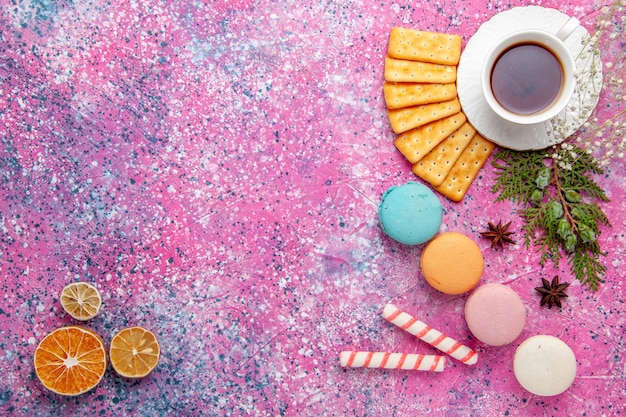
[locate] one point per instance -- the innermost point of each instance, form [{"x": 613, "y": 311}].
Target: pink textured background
[{"x": 214, "y": 168}]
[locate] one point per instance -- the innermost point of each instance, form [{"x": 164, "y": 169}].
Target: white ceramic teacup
[{"x": 552, "y": 42}]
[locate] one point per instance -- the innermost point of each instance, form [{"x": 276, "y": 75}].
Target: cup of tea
[{"x": 528, "y": 76}]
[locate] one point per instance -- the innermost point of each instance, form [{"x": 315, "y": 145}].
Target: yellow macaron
[{"x": 452, "y": 263}]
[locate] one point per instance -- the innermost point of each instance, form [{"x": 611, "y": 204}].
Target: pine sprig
[
  {"x": 577, "y": 175},
  {"x": 538, "y": 230},
  {"x": 585, "y": 263},
  {"x": 556, "y": 191},
  {"x": 517, "y": 175}
]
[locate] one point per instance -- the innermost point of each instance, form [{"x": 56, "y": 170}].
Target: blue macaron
[{"x": 410, "y": 213}]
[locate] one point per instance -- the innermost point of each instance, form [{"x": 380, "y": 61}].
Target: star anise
[
  {"x": 552, "y": 292},
  {"x": 498, "y": 234}
]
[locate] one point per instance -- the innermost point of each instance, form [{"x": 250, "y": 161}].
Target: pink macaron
[{"x": 495, "y": 314}]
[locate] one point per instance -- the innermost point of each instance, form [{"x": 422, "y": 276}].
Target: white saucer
[{"x": 541, "y": 135}]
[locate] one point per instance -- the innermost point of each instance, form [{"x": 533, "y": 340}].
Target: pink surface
[{"x": 214, "y": 168}]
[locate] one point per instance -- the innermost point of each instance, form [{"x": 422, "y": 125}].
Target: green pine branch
[
  {"x": 556, "y": 192},
  {"x": 517, "y": 175},
  {"x": 585, "y": 264}
]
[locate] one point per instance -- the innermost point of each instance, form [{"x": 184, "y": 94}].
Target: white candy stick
[
  {"x": 388, "y": 360},
  {"x": 429, "y": 335}
]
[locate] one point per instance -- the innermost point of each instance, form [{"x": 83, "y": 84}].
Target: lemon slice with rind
[
  {"x": 134, "y": 352},
  {"x": 81, "y": 300}
]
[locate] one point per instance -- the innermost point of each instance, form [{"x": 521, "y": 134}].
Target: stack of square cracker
[{"x": 425, "y": 112}]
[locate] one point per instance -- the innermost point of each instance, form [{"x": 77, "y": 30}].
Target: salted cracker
[
  {"x": 416, "y": 143},
  {"x": 417, "y": 45},
  {"x": 403, "y": 70},
  {"x": 435, "y": 166},
  {"x": 398, "y": 95},
  {"x": 408, "y": 118},
  {"x": 466, "y": 168}
]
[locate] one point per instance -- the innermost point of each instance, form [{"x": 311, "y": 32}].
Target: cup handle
[{"x": 568, "y": 28}]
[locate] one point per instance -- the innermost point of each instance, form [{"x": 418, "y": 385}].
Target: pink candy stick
[
  {"x": 386, "y": 360},
  {"x": 429, "y": 335}
]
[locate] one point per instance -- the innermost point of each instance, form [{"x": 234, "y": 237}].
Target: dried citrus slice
[
  {"x": 134, "y": 352},
  {"x": 81, "y": 300},
  {"x": 70, "y": 360}
]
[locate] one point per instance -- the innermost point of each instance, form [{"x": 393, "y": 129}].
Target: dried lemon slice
[
  {"x": 134, "y": 352},
  {"x": 81, "y": 300}
]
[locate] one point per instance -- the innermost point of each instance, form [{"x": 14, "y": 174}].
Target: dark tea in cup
[{"x": 526, "y": 78}]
